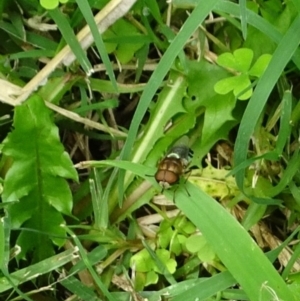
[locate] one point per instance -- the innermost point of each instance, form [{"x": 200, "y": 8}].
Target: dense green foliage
[{"x": 222, "y": 73}]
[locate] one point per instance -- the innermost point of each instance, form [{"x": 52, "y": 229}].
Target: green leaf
[
  {"x": 260, "y": 65},
  {"x": 168, "y": 105},
  {"x": 151, "y": 278},
  {"x": 242, "y": 83},
  {"x": 206, "y": 75},
  {"x": 194, "y": 243},
  {"x": 225, "y": 85},
  {"x": 177, "y": 243},
  {"x": 198, "y": 244},
  {"x": 55, "y": 88},
  {"x": 165, "y": 235},
  {"x": 49, "y": 4},
  {"x": 243, "y": 59},
  {"x": 109, "y": 46},
  {"x": 184, "y": 226},
  {"x": 140, "y": 281},
  {"x": 164, "y": 256},
  {"x": 240, "y": 60},
  {"x": 40, "y": 241},
  {"x": 142, "y": 261},
  {"x": 237, "y": 84},
  {"x": 125, "y": 50},
  {"x": 226, "y": 60},
  {"x": 36, "y": 177}
]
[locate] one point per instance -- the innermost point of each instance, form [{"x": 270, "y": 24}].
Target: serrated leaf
[
  {"x": 35, "y": 178},
  {"x": 23, "y": 210},
  {"x": 260, "y": 65},
  {"x": 53, "y": 219},
  {"x": 206, "y": 75},
  {"x": 57, "y": 191},
  {"x": 214, "y": 126}
]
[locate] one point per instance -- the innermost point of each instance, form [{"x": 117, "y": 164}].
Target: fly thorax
[{"x": 182, "y": 152}]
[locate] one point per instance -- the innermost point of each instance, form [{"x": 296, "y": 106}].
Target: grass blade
[
  {"x": 87, "y": 13},
  {"x": 281, "y": 57},
  {"x": 233, "y": 245},
  {"x": 70, "y": 38}
]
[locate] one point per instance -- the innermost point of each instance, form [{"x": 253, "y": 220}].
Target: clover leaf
[
  {"x": 197, "y": 244},
  {"x": 51, "y": 4},
  {"x": 240, "y": 60},
  {"x": 240, "y": 63},
  {"x": 146, "y": 267}
]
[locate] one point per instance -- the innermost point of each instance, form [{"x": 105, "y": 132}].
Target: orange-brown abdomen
[{"x": 169, "y": 171}]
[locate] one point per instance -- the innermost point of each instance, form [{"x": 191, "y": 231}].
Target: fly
[{"x": 174, "y": 164}]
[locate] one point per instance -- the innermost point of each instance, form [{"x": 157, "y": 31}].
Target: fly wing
[{"x": 181, "y": 150}]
